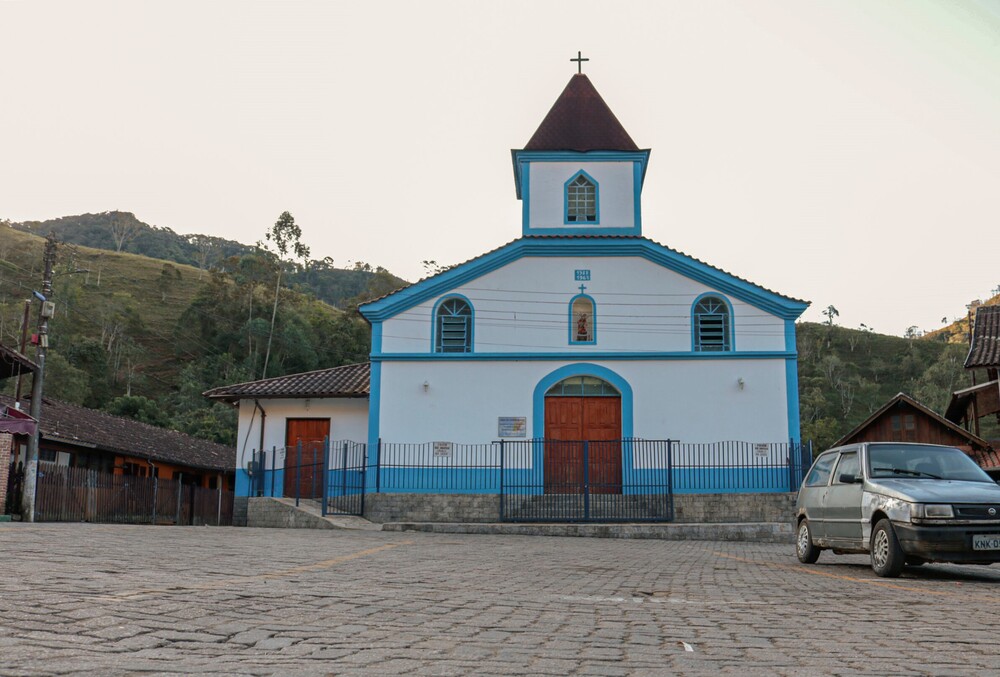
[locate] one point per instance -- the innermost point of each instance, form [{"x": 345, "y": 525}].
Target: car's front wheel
[
  {"x": 806, "y": 551},
  {"x": 888, "y": 559}
]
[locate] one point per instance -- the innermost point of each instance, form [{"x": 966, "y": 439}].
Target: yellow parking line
[
  {"x": 267, "y": 575},
  {"x": 854, "y": 579}
]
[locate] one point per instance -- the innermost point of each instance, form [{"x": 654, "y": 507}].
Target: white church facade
[{"x": 580, "y": 330}]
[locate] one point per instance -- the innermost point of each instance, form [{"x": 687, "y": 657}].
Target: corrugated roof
[
  {"x": 985, "y": 349},
  {"x": 351, "y": 380},
  {"x": 580, "y": 120},
  {"x": 72, "y": 424}
]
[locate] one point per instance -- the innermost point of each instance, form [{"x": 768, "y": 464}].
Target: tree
[
  {"x": 204, "y": 248},
  {"x": 124, "y": 227},
  {"x": 286, "y": 236},
  {"x": 830, "y": 313}
]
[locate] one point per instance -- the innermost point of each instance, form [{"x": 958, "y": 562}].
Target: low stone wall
[
  {"x": 277, "y": 514},
  {"x": 718, "y": 508},
  {"x": 688, "y": 508},
  {"x": 240, "y": 511},
  {"x": 432, "y": 507}
]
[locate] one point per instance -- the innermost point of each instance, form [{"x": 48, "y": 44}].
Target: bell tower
[{"x": 580, "y": 173}]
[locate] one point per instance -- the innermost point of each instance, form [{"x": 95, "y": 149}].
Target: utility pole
[{"x": 44, "y": 314}]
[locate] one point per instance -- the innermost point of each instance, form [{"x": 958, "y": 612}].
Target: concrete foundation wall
[
  {"x": 240, "y": 511},
  {"x": 432, "y": 507},
  {"x": 272, "y": 513},
  {"x": 688, "y": 508}
]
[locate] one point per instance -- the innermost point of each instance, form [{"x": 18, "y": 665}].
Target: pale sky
[{"x": 846, "y": 153}]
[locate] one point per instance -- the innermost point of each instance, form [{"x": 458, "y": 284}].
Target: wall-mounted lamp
[
  {"x": 740, "y": 383},
  {"x": 427, "y": 386}
]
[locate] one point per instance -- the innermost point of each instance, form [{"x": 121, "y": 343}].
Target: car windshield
[{"x": 923, "y": 462}]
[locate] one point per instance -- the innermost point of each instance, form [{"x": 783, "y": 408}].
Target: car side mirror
[{"x": 848, "y": 478}]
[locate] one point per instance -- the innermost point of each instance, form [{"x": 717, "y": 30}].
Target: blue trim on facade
[
  {"x": 523, "y": 158},
  {"x": 526, "y": 200},
  {"x": 792, "y": 382},
  {"x": 581, "y": 229},
  {"x": 434, "y": 324},
  {"x": 593, "y": 320},
  {"x": 580, "y": 369},
  {"x": 597, "y": 200},
  {"x": 730, "y": 329},
  {"x": 604, "y": 357},
  {"x": 638, "y": 174},
  {"x": 374, "y": 401},
  {"x": 538, "y": 410},
  {"x": 765, "y": 300}
]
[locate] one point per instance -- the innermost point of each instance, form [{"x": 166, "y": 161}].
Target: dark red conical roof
[{"x": 580, "y": 121}]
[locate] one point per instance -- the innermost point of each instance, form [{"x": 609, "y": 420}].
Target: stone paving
[{"x": 115, "y": 600}]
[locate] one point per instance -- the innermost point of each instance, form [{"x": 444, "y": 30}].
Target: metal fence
[
  {"x": 536, "y": 479},
  {"x": 331, "y": 473},
  {"x": 65, "y": 494}
]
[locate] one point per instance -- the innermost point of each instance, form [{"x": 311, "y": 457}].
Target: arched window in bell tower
[{"x": 581, "y": 199}]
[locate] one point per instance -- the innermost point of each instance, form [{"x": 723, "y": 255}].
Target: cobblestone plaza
[{"x": 104, "y": 599}]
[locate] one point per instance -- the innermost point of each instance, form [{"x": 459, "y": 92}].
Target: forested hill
[
  {"x": 846, "y": 374},
  {"x": 122, "y": 232},
  {"x": 144, "y": 337}
]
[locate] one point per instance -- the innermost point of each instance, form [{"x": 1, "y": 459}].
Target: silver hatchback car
[{"x": 901, "y": 503}]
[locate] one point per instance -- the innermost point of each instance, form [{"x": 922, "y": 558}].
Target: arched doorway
[{"x": 583, "y": 432}]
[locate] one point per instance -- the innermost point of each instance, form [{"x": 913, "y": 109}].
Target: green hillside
[
  {"x": 846, "y": 374},
  {"x": 144, "y": 337},
  {"x": 122, "y": 232}
]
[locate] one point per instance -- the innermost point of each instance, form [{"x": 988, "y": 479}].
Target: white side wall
[
  {"x": 348, "y": 421},
  {"x": 523, "y": 307},
  {"x": 691, "y": 401},
  {"x": 546, "y": 193}
]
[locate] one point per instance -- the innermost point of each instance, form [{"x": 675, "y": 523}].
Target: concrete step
[
  {"x": 758, "y": 532},
  {"x": 283, "y": 513}
]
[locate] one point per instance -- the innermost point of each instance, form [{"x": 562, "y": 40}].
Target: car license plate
[{"x": 986, "y": 542}]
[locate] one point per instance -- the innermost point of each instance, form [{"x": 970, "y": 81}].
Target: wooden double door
[
  {"x": 304, "y": 476},
  {"x": 570, "y": 465}
]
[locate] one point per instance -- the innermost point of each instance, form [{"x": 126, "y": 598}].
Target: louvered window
[
  {"x": 581, "y": 200},
  {"x": 453, "y": 327},
  {"x": 711, "y": 325}
]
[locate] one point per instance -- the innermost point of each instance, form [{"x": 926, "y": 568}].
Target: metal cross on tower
[
  {"x": 579, "y": 61},
  {"x": 582, "y": 289}
]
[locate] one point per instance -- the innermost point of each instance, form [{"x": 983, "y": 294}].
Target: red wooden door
[
  {"x": 569, "y": 421},
  {"x": 311, "y": 432},
  {"x": 602, "y": 418}
]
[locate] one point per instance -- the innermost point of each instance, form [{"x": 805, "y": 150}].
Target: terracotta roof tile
[
  {"x": 985, "y": 349},
  {"x": 72, "y": 424},
  {"x": 579, "y": 120},
  {"x": 351, "y": 380}
]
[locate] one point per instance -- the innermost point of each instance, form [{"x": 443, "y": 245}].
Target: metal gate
[
  {"x": 345, "y": 465},
  {"x": 625, "y": 480}
]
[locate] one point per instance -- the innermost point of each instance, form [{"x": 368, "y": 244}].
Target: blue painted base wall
[{"x": 764, "y": 479}]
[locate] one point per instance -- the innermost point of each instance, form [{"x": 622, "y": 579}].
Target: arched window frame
[
  {"x": 437, "y": 315},
  {"x": 729, "y": 340},
  {"x": 573, "y": 320},
  {"x": 566, "y": 200}
]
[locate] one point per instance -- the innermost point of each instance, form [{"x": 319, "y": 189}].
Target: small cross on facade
[
  {"x": 582, "y": 289},
  {"x": 579, "y": 61}
]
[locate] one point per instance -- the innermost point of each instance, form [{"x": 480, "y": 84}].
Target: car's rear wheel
[
  {"x": 806, "y": 551},
  {"x": 888, "y": 559}
]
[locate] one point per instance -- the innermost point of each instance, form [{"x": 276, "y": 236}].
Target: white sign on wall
[
  {"x": 512, "y": 426},
  {"x": 442, "y": 450},
  {"x": 760, "y": 450}
]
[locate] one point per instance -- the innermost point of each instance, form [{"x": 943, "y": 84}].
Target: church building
[{"x": 580, "y": 329}]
